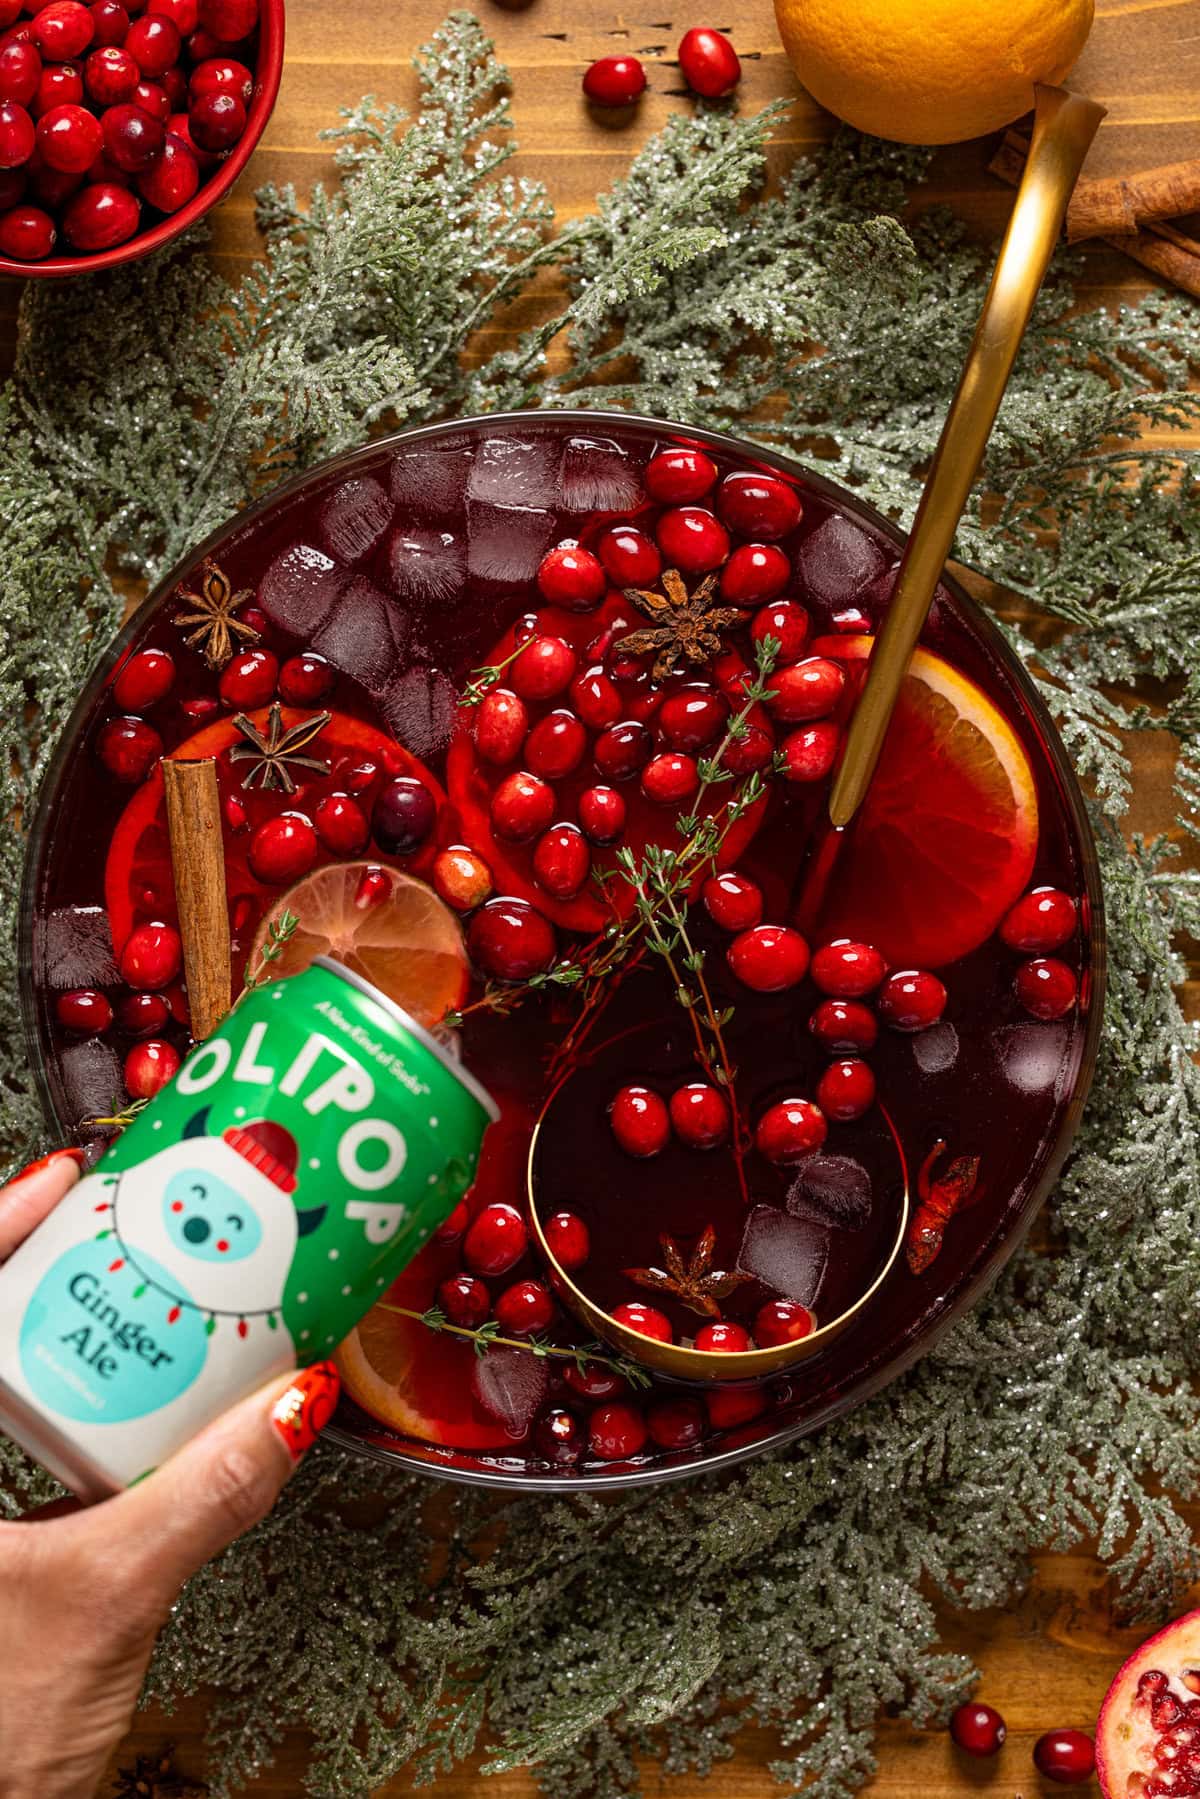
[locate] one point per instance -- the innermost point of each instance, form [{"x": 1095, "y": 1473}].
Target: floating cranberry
[
  {"x": 1041, "y": 921},
  {"x": 782, "y": 1321},
  {"x": 111, "y": 77},
  {"x": 510, "y": 940},
  {"x": 522, "y": 807},
  {"x": 451, "y": 1229},
  {"x": 572, "y": 577},
  {"x": 405, "y": 814},
  {"x": 844, "y": 1024},
  {"x": 544, "y": 668},
  {"x": 152, "y": 956},
  {"x": 149, "y": 1066},
  {"x": 699, "y": 1115},
  {"x": 722, "y": 1337},
  {"x": 630, "y": 558},
  {"x": 805, "y": 691},
  {"x": 249, "y": 679},
  {"x": 755, "y": 571},
  {"x": 1046, "y": 987},
  {"x": 17, "y": 135},
  {"x": 731, "y": 1406},
  {"x": 848, "y": 970},
  {"x": 27, "y": 234},
  {"x": 758, "y": 506},
  {"x": 692, "y": 718},
  {"x": 678, "y": 475},
  {"x": 768, "y": 958},
  {"x": 222, "y": 75},
  {"x": 140, "y": 1014},
  {"x": 496, "y": 1240},
  {"x": 525, "y": 1309},
  {"x": 229, "y": 20},
  {"x": 601, "y": 814},
  {"x": 173, "y": 179},
  {"x": 501, "y": 725},
  {"x": 144, "y": 680},
  {"x": 852, "y": 621},
  {"x": 810, "y": 753},
  {"x": 100, "y": 216},
  {"x": 465, "y": 1301},
  {"x": 790, "y": 1130},
  {"x": 561, "y": 861},
  {"x": 734, "y": 902},
  {"x": 595, "y": 699},
  {"x": 754, "y": 746},
  {"x": 670, "y": 779},
  {"x": 978, "y": 1729},
  {"x": 1067, "y": 1756},
  {"x": 616, "y": 1432},
  {"x": 646, "y": 1320},
  {"x": 594, "y": 1381},
  {"x": 201, "y": 709},
  {"x": 568, "y": 1240},
  {"x": 110, "y": 22},
  {"x": 709, "y": 62},
  {"x": 614, "y": 81},
  {"x": 20, "y": 72},
  {"x": 846, "y": 1090},
  {"x": 558, "y": 1437},
  {"x": 283, "y": 848},
  {"x": 555, "y": 746},
  {"x": 692, "y": 539},
  {"x": 622, "y": 751},
  {"x": 462, "y": 878},
  {"x": 640, "y": 1121},
  {"x": 306, "y": 679},
  {"x": 787, "y": 622},
  {"x": 129, "y": 748},
  {"x": 236, "y": 816},
  {"x": 216, "y": 121},
  {"x": 154, "y": 44},
  {"x": 84, "y": 1011},
  {"x": 911, "y": 1000},
  {"x": 63, "y": 30},
  {"x": 342, "y": 825},
  {"x": 676, "y": 1423}
]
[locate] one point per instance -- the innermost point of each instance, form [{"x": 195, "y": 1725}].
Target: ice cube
[
  {"x": 93, "y": 1086},
  {"x": 597, "y": 476},
  {"x": 506, "y": 543},
  {"x": 298, "y": 591},
  {"x": 515, "y": 471},
  {"x": 419, "y": 710},
  {"x": 77, "y": 948},
  {"x": 935, "y": 1051},
  {"x": 831, "y": 1190},
  {"x": 1032, "y": 1056},
  {"x": 837, "y": 561},
  {"x": 427, "y": 564},
  {"x": 786, "y": 1253},
  {"x": 430, "y": 484},
  {"x": 511, "y": 1385},
  {"x": 365, "y": 635},
  {"x": 353, "y": 519}
]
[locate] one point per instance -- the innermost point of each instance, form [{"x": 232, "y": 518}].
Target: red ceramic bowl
[{"x": 267, "y": 72}]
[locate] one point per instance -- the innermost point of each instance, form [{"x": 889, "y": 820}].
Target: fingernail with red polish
[
  {"x": 78, "y": 1156},
  {"x": 301, "y": 1414}
]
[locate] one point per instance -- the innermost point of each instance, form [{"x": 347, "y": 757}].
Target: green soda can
[{"x": 244, "y": 1222}]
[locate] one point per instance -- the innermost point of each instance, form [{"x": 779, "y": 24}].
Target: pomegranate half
[{"x": 1148, "y": 1732}]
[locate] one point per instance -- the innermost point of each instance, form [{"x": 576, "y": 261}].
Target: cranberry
[
  {"x": 595, "y": 699},
  {"x": 555, "y": 746},
  {"x": 790, "y": 1130},
  {"x": 755, "y": 571},
  {"x": 568, "y": 1240},
  {"x": 722, "y": 1337},
  {"x": 545, "y": 666},
  {"x": 27, "y": 234},
  {"x": 561, "y": 861},
  {"x": 692, "y": 718},
  {"x": 594, "y": 1381},
  {"x": 221, "y": 75},
  {"x": 355, "y": 775},
  {"x": 465, "y": 1301},
  {"x": 180, "y": 126},
  {"x": 848, "y": 970},
  {"x": 149, "y": 1066},
  {"x": 405, "y": 814},
  {"x": 646, "y": 1320},
  {"x": 978, "y": 1729},
  {"x": 283, "y": 848},
  {"x": 615, "y": 1432},
  {"x": 558, "y": 1437},
  {"x": 614, "y": 81},
  {"x": 1066, "y": 1756},
  {"x": 1040, "y": 922},
  {"x": 522, "y": 807},
  {"x": 306, "y": 679},
  {"x": 140, "y": 1014},
  {"x": 495, "y": 1241},
  {"x": 152, "y": 956},
  {"x": 840, "y": 1024},
  {"x": 911, "y": 1000},
  {"x": 670, "y": 779},
  {"x": 805, "y": 691},
  {"x": 63, "y": 30},
  {"x": 754, "y": 746},
  {"x": 201, "y": 45},
  {"x": 229, "y": 20},
  {"x": 111, "y": 77},
  {"x": 129, "y": 748},
  {"x": 640, "y": 1121},
  {"x": 60, "y": 84},
  {"x": 676, "y": 1423},
  {"x": 699, "y": 1115},
  {"x": 110, "y": 22},
  {"x": 83, "y": 1010},
  {"x": 852, "y": 621},
  {"x": 451, "y": 1229},
  {"x": 217, "y": 121},
  {"x": 809, "y": 753},
  {"x": 787, "y": 622},
  {"x": 572, "y": 577},
  {"x": 249, "y": 679},
  {"x": 144, "y": 680},
  {"x": 769, "y": 957},
  {"x": 622, "y": 750},
  {"x": 692, "y": 539},
  {"x": 782, "y": 1321},
  {"x": 500, "y": 726},
  {"x": 1046, "y": 987},
  {"x": 758, "y": 506},
  {"x": 50, "y": 187},
  {"x": 510, "y": 940},
  {"x": 183, "y": 14},
  {"x": 525, "y": 1309},
  {"x": 630, "y": 558},
  {"x": 342, "y": 825},
  {"x": 730, "y": 1406},
  {"x": 173, "y": 179},
  {"x": 17, "y": 136},
  {"x": 734, "y": 902},
  {"x": 154, "y": 44},
  {"x": 678, "y": 475},
  {"x": 461, "y": 878},
  {"x": 132, "y": 139},
  {"x": 201, "y": 709},
  {"x": 100, "y": 216},
  {"x": 12, "y": 187},
  {"x": 601, "y": 814},
  {"x": 20, "y": 73},
  {"x": 846, "y": 1090},
  {"x": 709, "y": 62}
]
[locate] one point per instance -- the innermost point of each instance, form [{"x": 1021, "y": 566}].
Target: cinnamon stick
[{"x": 198, "y": 861}]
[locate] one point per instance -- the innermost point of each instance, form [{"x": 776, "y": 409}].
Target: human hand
[{"x": 84, "y": 1592}]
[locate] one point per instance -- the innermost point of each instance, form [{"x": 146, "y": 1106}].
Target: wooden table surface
[{"x": 1048, "y": 1661}]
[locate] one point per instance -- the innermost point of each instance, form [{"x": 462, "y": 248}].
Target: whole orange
[{"x": 930, "y": 71}]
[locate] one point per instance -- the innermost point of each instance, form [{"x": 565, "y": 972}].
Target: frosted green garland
[{"x": 148, "y": 406}]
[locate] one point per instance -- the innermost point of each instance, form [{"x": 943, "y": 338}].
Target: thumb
[{"x": 223, "y": 1481}]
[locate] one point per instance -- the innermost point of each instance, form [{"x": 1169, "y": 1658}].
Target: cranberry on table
[
  {"x": 342, "y": 825},
  {"x": 594, "y": 1381},
  {"x": 692, "y": 718},
  {"x": 149, "y": 1066},
  {"x": 111, "y": 76},
  {"x": 217, "y": 121},
  {"x": 572, "y": 577},
  {"x": 306, "y": 679},
  {"x": 462, "y": 878},
  {"x": 561, "y": 861},
  {"x": 769, "y": 958},
  {"x": 522, "y": 807},
  {"x": 670, "y": 779},
  {"x": 27, "y": 234},
  {"x": 1046, "y": 987},
  {"x": 154, "y": 43},
  {"x": 1040, "y": 921},
  {"x": 20, "y": 72},
  {"x": 846, "y": 969},
  {"x": 840, "y": 1025},
  {"x": 722, "y": 1337},
  {"x": 465, "y": 1301},
  {"x": 558, "y": 1437},
  {"x": 1066, "y": 1756},
  {"x": 568, "y": 1240},
  {"x": 616, "y": 1432},
  {"x": 758, "y": 506},
  {"x": 555, "y": 746},
  {"x": 810, "y": 753},
  {"x": 786, "y": 621},
  {"x": 709, "y": 62},
  {"x": 100, "y": 216},
  {"x": 405, "y": 813},
  {"x": 501, "y": 724},
  {"x": 978, "y": 1729},
  {"x": 173, "y": 179},
  {"x": 846, "y": 1090},
  {"x": 699, "y": 1115},
  {"x": 790, "y": 1130},
  {"x": 646, "y": 1320},
  {"x": 249, "y": 679},
  {"x": 17, "y": 135},
  {"x": 678, "y": 475},
  {"x": 601, "y": 814},
  {"x": 692, "y": 539},
  {"x": 283, "y": 848},
  {"x": 676, "y": 1423},
  {"x": 782, "y": 1321},
  {"x": 63, "y": 30},
  {"x": 510, "y": 940},
  {"x": 525, "y": 1309},
  {"x": 595, "y": 699},
  {"x": 614, "y": 81},
  {"x": 229, "y": 20},
  {"x": 545, "y": 666},
  {"x": 755, "y": 571},
  {"x": 734, "y": 902},
  {"x": 911, "y": 1000},
  {"x": 221, "y": 75},
  {"x": 451, "y": 1229},
  {"x": 805, "y": 691},
  {"x": 142, "y": 1014},
  {"x": 630, "y": 558},
  {"x": 640, "y": 1121},
  {"x": 84, "y": 1010},
  {"x": 129, "y": 748}
]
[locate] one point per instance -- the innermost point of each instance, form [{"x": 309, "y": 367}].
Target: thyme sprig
[
  {"x": 118, "y": 1121},
  {"x": 280, "y": 932},
  {"x": 486, "y": 678},
  {"x": 488, "y": 1336}
]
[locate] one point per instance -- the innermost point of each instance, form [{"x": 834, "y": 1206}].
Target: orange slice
[
  {"x": 386, "y": 926},
  {"x": 946, "y": 838}
]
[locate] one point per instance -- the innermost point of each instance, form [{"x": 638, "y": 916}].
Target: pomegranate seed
[
  {"x": 283, "y": 848},
  {"x": 495, "y": 1241},
  {"x": 692, "y": 718},
  {"x": 373, "y": 886},
  {"x": 63, "y": 30},
  {"x": 173, "y": 179},
  {"x": 595, "y": 699},
  {"x": 1040, "y": 922},
  {"x": 593, "y": 1381},
  {"x": 405, "y": 813},
  {"x": 646, "y": 1320},
  {"x": 630, "y": 558},
  {"x": 111, "y": 77},
  {"x": 100, "y": 216},
  {"x": 305, "y": 679},
  {"x": 805, "y": 691},
  {"x": 154, "y": 43},
  {"x": 782, "y": 1321},
  {"x": 848, "y": 970},
  {"x": 692, "y": 539},
  {"x": 558, "y": 1437},
  {"x": 572, "y": 577},
  {"x": 555, "y": 746},
  {"x": 615, "y": 81},
  {"x": 640, "y": 1121},
  {"x": 144, "y": 680},
  {"x": 722, "y": 1337},
  {"x": 1067, "y": 1756},
  {"x": 452, "y": 1228},
  {"x": 27, "y": 234},
  {"x": 732, "y": 901},
  {"x": 501, "y": 725},
  {"x": 730, "y": 1406},
  {"x": 709, "y": 62},
  {"x": 1046, "y": 987},
  {"x": 810, "y": 752},
  {"x": 525, "y": 1309},
  {"x": 465, "y": 1301},
  {"x": 790, "y": 1130},
  {"x": 601, "y": 814},
  {"x": 678, "y": 475},
  {"x": 911, "y": 1000},
  {"x": 978, "y": 1729},
  {"x": 229, "y": 20},
  {"x": 510, "y": 940},
  {"x": 846, "y": 1090},
  {"x": 461, "y": 878},
  {"x": 149, "y": 1066},
  {"x": 787, "y": 622},
  {"x": 769, "y": 958},
  {"x": 840, "y": 1025},
  {"x": 83, "y": 1010},
  {"x": 20, "y": 73},
  {"x": 670, "y": 779},
  {"x": 342, "y": 825},
  {"x": 216, "y": 121},
  {"x": 758, "y": 506},
  {"x": 249, "y": 679},
  {"x": 622, "y": 750},
  {"x": 561, "y": 861},
  {"x": 545, "y": 666},
  {"x": 129, "y": 748},
  {"x": 755, "y": 571},
  {"x": 522, "y": 807},
  {"x": 221, "y": 75},
  {"x": 140, "y": 1014},
  {"x": 616, "y": 1432},
  {"x": 699, "y": 1115},
  {"x": 676, "y": 1423},
  {"x": 568, "y": 1240}
]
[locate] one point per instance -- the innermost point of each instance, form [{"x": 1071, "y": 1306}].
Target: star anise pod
[
  {"x": 276, "y": 752},
  {"x": 686, "y": 627},
  {"x": 695, "y": 1283},
  {"x": 211, "y": 627},
  {"x": 155, "y": 1777}
]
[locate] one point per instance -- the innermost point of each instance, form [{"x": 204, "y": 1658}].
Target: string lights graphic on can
[{"x": 243, "y": 1222}]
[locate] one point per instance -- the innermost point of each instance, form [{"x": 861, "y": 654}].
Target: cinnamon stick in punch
[{"x": 198, "y": 863}]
